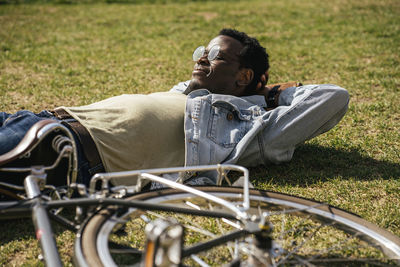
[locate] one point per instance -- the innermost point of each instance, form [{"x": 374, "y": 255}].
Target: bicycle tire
[{"x": 92, "y": 244}]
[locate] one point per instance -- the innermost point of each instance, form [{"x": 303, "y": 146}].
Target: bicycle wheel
[{"x": 305, "y": 232}]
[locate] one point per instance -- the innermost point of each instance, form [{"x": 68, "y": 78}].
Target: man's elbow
[
  {"x": 341, "y": 98},
  {"x": 338, "y": 94},
  {"x": 278, "y": 156}
]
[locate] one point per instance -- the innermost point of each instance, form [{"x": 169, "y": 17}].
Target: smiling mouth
[{"x": 199, "y": 70}]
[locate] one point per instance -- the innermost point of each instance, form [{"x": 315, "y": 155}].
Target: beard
[{"x": 193, "y": 85}]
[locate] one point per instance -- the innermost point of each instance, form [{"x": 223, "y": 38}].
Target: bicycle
[{"x": 184, "y": 225}]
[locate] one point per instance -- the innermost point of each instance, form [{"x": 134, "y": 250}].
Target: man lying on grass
[{"x": 224, "y": 114}]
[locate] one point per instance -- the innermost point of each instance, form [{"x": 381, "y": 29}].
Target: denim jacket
[{"x": 228, "y": 129}]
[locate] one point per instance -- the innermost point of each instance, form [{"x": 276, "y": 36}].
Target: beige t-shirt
[{"x": 136, "y": 131}]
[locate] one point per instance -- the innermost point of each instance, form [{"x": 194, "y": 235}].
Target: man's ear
[{"x": 246, "y": 75}]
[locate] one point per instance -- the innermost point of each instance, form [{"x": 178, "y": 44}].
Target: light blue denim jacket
[{"x": 229, "y": 129}]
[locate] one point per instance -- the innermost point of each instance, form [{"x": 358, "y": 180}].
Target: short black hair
[{"x": 252, "y": 56}]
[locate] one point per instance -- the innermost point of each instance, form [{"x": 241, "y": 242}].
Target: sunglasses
[{"x": 201, "y": 50}]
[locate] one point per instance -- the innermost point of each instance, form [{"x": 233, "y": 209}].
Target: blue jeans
[{"x": 13, "y": 128}]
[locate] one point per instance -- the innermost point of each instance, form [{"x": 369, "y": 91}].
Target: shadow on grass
[
  {"x": 22, "y": 229},
  {"x": 16, "y": 229},
  {"x": 312, "y": 164}
]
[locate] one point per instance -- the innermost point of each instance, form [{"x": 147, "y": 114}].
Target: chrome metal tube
[
  {"x": 105, "y": 177},
  {"x": 240, "y": 214},
  {"x": 44, "y": 234}
]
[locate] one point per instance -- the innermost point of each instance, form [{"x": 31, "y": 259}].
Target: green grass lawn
[{"x": 53, "y": 55}]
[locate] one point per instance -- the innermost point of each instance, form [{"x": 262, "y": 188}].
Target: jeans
[{"x": 13, "y": 128}]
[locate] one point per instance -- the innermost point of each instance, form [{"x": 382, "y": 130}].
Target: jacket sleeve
[{"x": 303, "y": 113}]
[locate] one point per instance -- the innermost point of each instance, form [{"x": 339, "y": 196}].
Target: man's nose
[{"x": 203, "y": 59}]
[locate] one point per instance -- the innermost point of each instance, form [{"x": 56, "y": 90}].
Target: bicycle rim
[{"x": 305, "y": 232}]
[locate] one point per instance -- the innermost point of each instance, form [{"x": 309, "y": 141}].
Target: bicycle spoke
[
  {"x": 304, "y": 261},
  {"x": 199, "y": 261},
  {"x": 299, "y": 246},
  {"x": 200, "y": 231},
  {"x": 295, "y": 227},
  {"x": 117, "y": 248},
  {"x": 186, "y": 224},
  {"x": 338, "y": 245},
  {"x": 296, "y": 210},
  {"x": 351, "y": 247},
  {"x": 190, "y": 204},
  {"x": 222, "y": 230}
]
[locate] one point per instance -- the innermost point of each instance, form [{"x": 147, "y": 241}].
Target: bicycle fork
[
  {"x": 164, "y": 246},
  {"x": 40, "y": 218}
]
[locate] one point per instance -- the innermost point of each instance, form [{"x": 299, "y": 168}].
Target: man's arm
[
  {"x": 272, "y": 92},
  {"x": 301, "y": 114}
]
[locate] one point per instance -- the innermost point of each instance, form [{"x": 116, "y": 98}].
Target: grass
[{"x": 53, "y": 55}]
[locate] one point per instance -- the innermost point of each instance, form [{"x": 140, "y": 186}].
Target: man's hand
[
  {"x": 272, "y": 92},
  {"x": 263, "y": 89},
  {"x": 261, "y": 84}
]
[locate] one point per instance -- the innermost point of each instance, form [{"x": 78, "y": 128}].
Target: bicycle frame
[{"x": 39, "y": 208}]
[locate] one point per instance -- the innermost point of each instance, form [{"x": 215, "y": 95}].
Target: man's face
[{"x": 220, "y": 75}]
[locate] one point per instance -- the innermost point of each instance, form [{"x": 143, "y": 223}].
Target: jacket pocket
[{"x": 227, "y": 125}]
